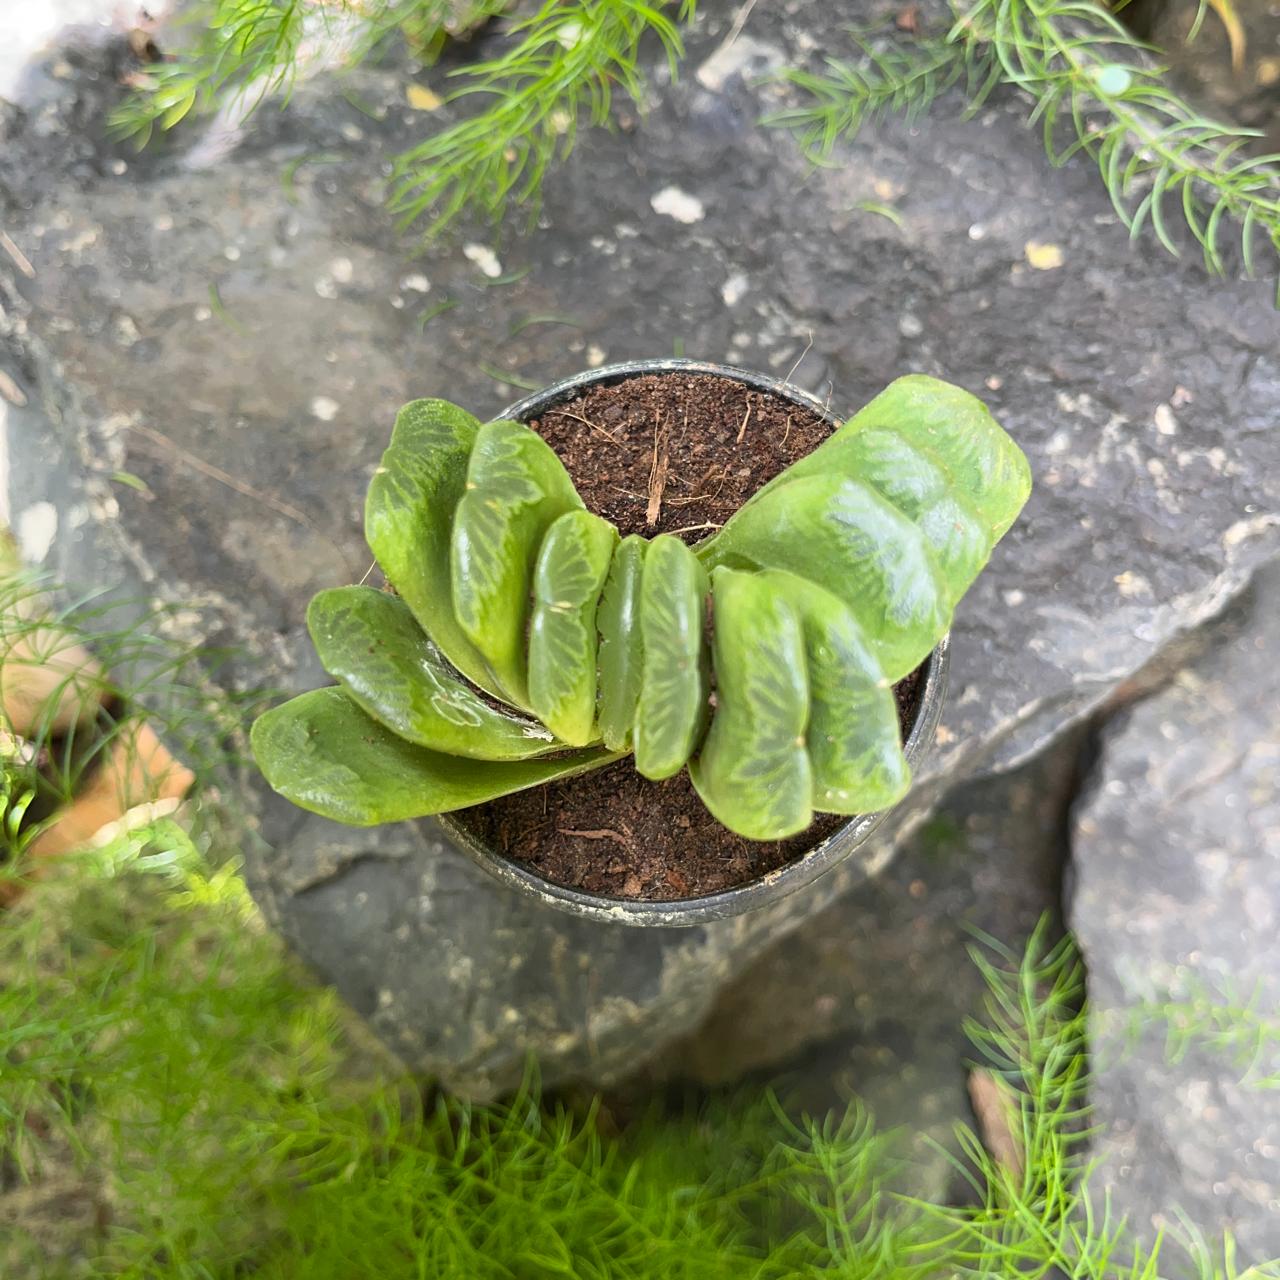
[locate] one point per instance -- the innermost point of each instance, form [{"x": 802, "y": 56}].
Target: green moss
[{"x": 203, "y": 1111}]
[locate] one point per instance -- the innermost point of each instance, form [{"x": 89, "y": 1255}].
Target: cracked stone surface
[
  {"x": 1175, "y": 899},
  {"x": 236, "y": 333}
]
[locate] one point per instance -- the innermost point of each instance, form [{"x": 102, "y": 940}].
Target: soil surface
[
  {"x": 679, "y": 454},
  {"x": 615, "y": 833},
  {"x": 676, "y": 453}
]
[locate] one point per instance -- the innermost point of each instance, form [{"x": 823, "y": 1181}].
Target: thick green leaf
[
  {"x": 672, "y": 706},
  {"x": 961, "y": 546},
  {"x": 408, "y": 516},
  {"x": 833, "y": 581},
  {"x": 911, "y": 480},
  {"x": 987, "y": 469},
  {"x": 516, "y": 487},
  {"x": 843, "y": 536},
  {"x": 854, "y": 739},
  {"x": 567, "y": 582},
  {"x": 371, "y": 642},
  {"x": 322, "y": 752},
  {"x": 934, "y": 452},
  {"x": 945, "y": 425},
  {"x": 621, "y": 644},
  {"x": 753, "y": 771}
]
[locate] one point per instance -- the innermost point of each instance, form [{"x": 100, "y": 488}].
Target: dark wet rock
[
  {"x": 1175, "y": 899},
  {"x": 869, "y": 998},
  {"x": 237, "y": 334},
  {"x": 1240, "y": 86}
]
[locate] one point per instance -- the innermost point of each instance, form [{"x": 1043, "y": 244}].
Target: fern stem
[{"x": 1183, "y": 149}]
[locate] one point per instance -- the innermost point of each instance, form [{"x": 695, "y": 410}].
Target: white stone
[
  {"x": 733, "y": 289},
  {"x": 37, "y": 528},
  {"x": 671, "y": 202},
  {"x": 744, "y": 55},
  {"x": 484, "y": 258}
]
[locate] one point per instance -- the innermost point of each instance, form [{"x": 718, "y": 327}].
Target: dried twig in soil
[
  {"x": 586, "y": 422},
  {"x": 20, "y": 259},
  {"x": 658, "y": 474},
  {"x": 605, "y": 833}
]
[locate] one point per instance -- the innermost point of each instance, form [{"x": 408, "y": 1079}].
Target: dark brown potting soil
[
  {"x": 676, "y": 453},
  {"x": 679, "y": 454}
]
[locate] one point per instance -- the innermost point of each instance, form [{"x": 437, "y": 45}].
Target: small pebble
[
  {"x": 733, "y": 289},
  {"x": 679, "y": 205},
  {"x": 484, "y": 258},
  {"x": 1043, "y": 257}
]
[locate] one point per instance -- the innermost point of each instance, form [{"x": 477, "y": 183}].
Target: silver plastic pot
[{"x": 801, "y": 871}]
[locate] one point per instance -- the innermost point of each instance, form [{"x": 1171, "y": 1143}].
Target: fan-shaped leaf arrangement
[{"x": 528, "y": 642}]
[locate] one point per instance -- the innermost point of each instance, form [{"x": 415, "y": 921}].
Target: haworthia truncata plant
[{"x": 830, "y": 584}]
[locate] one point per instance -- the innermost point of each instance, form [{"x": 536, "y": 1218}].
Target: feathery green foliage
[
  {"x": 567, "y": 62},
  {"x": 164, "y": 1058},
  {"x": 562, "y": 67},
  {"x": 1091, "y": 87},
  {"x": 889, "y": 79},
  {"x": 832, "y": 583},
  {"x": 1075, "y": 59},
  {"x": 247, "y": 51},
  {"x": 1092, "y": 92}
]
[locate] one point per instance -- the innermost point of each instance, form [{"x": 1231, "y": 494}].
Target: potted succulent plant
[{"x": 631, "y": 712}]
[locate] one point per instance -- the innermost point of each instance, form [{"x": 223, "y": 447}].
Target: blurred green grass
[{"x": 179, "y": 1101}]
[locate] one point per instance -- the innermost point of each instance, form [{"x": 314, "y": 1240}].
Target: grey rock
[
  {"x": 1175, "y": 900},
  {"x": 240, "y": 343},
  {"x": 869, "y": 998}
]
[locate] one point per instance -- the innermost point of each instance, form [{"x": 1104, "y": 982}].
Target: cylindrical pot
[{"x": 801, "y": 871}]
